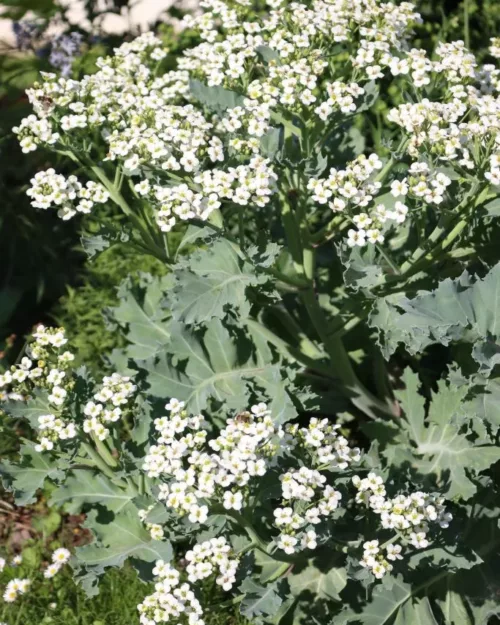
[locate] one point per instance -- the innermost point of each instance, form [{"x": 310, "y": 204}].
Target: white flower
[
  {"x": 232, "y": 501},
  {"x": 356, "y": 238},
  {"x": 52, "y": 570},
  {"x": 394, "y": 552},
  {"x": 198, "y": 514},
  {"x": 287, "y": 543},
  {"x": 61, "y": 555},
  {"x": 309, "y": 540},
  {"x": 399, "y": 188}
]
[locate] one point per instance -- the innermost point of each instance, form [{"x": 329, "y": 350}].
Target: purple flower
[
  {"x": 64, "y": 50},
  {"x": 26, "y": 33}
]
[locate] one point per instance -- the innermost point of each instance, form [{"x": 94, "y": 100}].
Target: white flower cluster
[
  {"x": 244, "y": 449},
  {"x": 350, "y": 189},
  {"x": 371, "y": 31},
  {"x": 46, "y": 366},
  {"x": 212, "y": 556},
  {"x": 176, "y": 601},
  {"x": 60, "y": 557},
  {"x": 342, "y": 96},
  {"x": 326, "y": 449},
  {"x": 15, "y": 588},
  {"x": 67, "y": 194},
  {"x": 114, "y": 395},
  {"x": 374, "y": 560},
  {"x": 172, "y": 600},
  {"x": 409, "y": 516},
  {"x": 422, "y": 183},
  {"x": 242, "y": 185},
  {"x": 461, "y": 127},
  {"x": 152, "y": 126}
]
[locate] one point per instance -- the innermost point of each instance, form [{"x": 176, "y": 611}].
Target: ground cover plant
[{"x": 304, "y": 411}]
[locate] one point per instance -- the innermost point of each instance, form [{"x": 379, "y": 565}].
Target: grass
[
  {"x": 116, "y": 604},
  {"x": 61, "y": 602}
]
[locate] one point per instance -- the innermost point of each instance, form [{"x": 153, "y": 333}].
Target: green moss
[{"x": 81, "y": 310}]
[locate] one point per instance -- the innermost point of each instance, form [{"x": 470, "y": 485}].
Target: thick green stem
[
  {"x": 258, "y": 542},
  {"x": 278, "y": 573},
  {"x": 425, "y": 255},
  {"x": 98, "y": 460},
  {"x": 104, "y": 452},
  {"x": 340, "y": 366}
]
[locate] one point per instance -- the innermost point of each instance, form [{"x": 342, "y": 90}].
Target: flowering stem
[
  {"x": 230, "y": 602},
  {"x": 324, "y": 234},
  {"x": 257, "y": 541},
  {"x": 423, "y": 256},
  {"x": 340, "y": 366},
  {"x": 241, "y": 228},
  {"x": 118, "y": 199}
]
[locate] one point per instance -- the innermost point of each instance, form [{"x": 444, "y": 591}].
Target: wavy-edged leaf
[
  {"x": 86, "y": 487},
  {"x": 211, "y": 281},
  {"x": 121, "y": 538},
  {"x": 141, "y": 313},
  {"x": 217, "y": 364},
  {"x": 31, "y": 410},
  {"x": 435, "y": 445},
  {"x": 26, "y": 477},
  {"x": 461, "y": 309},
  {"x": 261, "y": 600},
  {"x": 362, "y": 270},
  {"x": 215, "y": 98},
  {"x": 323, "y": 582},
  {"x": 443, "y": 598}
]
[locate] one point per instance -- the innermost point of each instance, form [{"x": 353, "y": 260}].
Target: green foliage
[
  {"x": 460, "y": 309},
  {"x": 25, "y": 478},
  {"x": 197, "y": 367},
  {"x": 437, "y": 445},
  {"x": 117, "y": 540},
  {"x": 81, "y": 310},
  {"x": 210, "y": 281}
]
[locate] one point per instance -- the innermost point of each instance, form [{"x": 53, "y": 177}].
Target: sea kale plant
[{"x": 306, "y": 411}]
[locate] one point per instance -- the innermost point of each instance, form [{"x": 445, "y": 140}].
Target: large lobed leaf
[
  {"x": 462, "y": 309},
  {"x": 435, "y": 443},
  {"x": 25, "y": 478},
  {"x": 261, "y": 601},
  {"x": 210, "y": 281},
  {"x": 87, "y": 487},
  {"x": 122, "y": 537},
  {"x": 140, "y": 311},
  {"x": 198, "y": 366}
]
